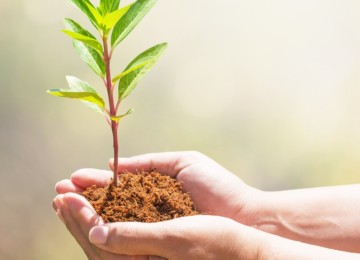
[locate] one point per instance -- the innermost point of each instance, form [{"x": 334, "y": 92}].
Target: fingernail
[
  {"x": 58, "y": 213},
  {"x": 98, "y": 235},
  {"x": 57, "y": 202},
  {"x": 57, "y": 207}
]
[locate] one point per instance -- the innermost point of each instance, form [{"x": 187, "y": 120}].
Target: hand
[
  {"x": 215, "y": 190},
  {"x": 195, "y": 237},
  {"x": 79, "y": 217}
]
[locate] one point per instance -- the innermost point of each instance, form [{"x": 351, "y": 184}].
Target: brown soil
[{"x": 141, "y": 197}]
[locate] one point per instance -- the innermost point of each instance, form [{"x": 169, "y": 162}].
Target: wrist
[
  {"x": 264, "y": 213},
  {"x": 246, "y": 242},
  {"x": 253, "y": 207}
]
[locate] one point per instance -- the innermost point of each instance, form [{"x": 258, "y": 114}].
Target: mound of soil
[{"x": 141, "y": 197}]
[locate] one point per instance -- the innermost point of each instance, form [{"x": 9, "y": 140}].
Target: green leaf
[
  {"x": 79, "y": 85},
  {"x": 91, "y": 57},
  {"x": 95, "y": 13},
  {"x": 82, "y": 86},
  {"x": 83, "y": 96},
  {"x": 89, "y": 41},
  {"x": 128, "y": 22},
  {"x": 108, "y": 6},
  {"x": 73, "y": 26},
  {"x": 135, "y": 67},
  {"x": 112, "y": 18},
  {"x": 117, "y": 118},
  {"x": 82, "y": 91},
  {"x": 87, "y": 54},
  {"x": 83, "y": 5},
  {"x": 130, "y": 80}
]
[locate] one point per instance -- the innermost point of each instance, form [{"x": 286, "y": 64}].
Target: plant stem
[
  {"x": 113, "y": 109},
  {"x": 114, "y": 127}
]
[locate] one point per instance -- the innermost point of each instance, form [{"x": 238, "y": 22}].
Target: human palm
[{"x": 215, "y": 190}]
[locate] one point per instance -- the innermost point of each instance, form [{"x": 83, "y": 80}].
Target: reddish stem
[{"x": 113, "y": 108}]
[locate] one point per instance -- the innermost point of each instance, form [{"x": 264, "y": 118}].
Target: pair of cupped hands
[{"x": 227, "y": 204}]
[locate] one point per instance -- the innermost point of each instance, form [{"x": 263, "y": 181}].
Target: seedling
[{"x": 113, "y": 24}]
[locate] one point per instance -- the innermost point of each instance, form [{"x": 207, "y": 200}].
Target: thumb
[
  {"x": 170, "y": 163},
  {"x": 131, "y": 238}
]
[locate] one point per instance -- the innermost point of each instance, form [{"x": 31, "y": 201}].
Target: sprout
[{"x": 113, "y": 24}]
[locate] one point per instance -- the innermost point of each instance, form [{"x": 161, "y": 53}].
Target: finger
[
  {"x": 75, "y": 224},
  {"x": 131, "y": 238},
  {"x": 67, "y": 185},
  {"x": 57, "y": 207},
  {"x": 106, "y": 256},
  {"x": 170, "y": 163},
  {"x": 85, "y": 178},
  {"x": 74, "y": 228},
  {"x": 81, "y": 210},
  {"x": 81, "y": 217}
]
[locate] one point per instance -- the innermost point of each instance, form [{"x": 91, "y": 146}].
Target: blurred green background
[{"x": 269, "y": 89}]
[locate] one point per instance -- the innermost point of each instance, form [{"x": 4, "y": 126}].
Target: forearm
[
  {"x": 327, "y": 216},
  {"x": 279, "y": 248}
]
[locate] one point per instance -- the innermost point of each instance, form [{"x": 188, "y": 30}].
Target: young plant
[{"x": 113, "y": 24}]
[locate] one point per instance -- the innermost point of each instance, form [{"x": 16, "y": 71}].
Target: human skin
[
  {"x": 194, "y": 237},
  {"x": 324, "y": 216},
  {"x": 293, "y": 214}
]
